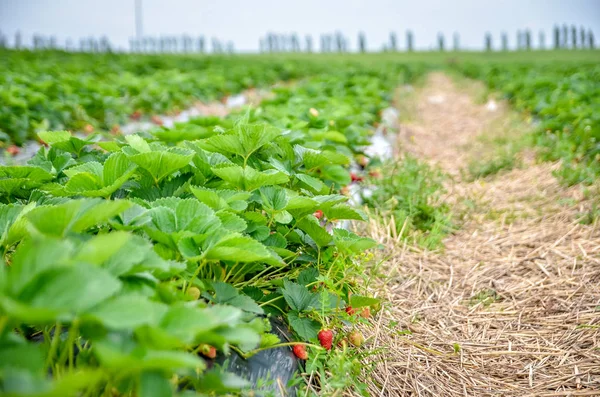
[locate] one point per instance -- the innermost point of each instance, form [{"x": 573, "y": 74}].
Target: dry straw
[{"x": 511, "y": 306}]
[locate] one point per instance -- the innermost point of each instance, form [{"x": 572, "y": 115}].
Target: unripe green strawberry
[
  {"x": 300, "y": 352},
  {"x": 193, "y": 292},
  {"x": 356, "y": 338},
  {"x": 326, "y": 338}
]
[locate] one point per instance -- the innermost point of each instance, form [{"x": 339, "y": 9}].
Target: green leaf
[
  {"x": 273, "y": 198},
  {"x": 343, "y": 211},
  {"x": 138, "y": 143},
  {"x": 232, "y": 222},
  {"x": 64, "y": 140},
  {"x": 75, "y": 215},
  {"x": 283, "y": 217},
  {"x": 308, "y": 276},
  {"x": 350, "y": 243},
  {"x": 127, "y": 312},
  {"x": 357, "y": 301},
  {"x": 238, "y": 248},
  {"x": 298, "y": 297},
  {"x": 310, "y": 225},
  {"x": 154, "y": 384},
  {"x": 337, "y": 174},
  {"x": 315, "y": 184},
  {"x": 69, "y": 290},
  {"x": 227, "y": 294},
  {"x": 34, "y": 257},
  {"x": 248, "y": 178},
  {"x": 306, "y": 328},
  {"x": 243, "y": 140},
  {"x": 161, "y": 164}
]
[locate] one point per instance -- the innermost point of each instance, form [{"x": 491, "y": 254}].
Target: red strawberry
[
  {"x": 356, "y": 178},
  {"x": 326, "y": 338},
  {"x": 13, "y": 150},
  {"x": 318, "y": 214},
  {"x": 300, "y": 352},
  {"x": 208, "y": 351},
  {"x": 350, "y": 310},
  {"x": 356, "y": 338}
]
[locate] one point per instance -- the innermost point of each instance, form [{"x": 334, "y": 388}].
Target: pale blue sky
[{"x": 243, "y": 22}]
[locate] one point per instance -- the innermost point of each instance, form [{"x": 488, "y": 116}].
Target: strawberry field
[{"x": 144, "y": 264}]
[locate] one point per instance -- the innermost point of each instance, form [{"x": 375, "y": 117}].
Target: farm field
[{"x": 381, "y": 224}]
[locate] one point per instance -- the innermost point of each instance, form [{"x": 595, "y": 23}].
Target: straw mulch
[{"x": 511, "y": 307}]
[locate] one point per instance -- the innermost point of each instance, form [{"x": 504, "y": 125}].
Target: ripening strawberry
[
  {"x": 375, "y": 173},
  {"x": 356, "y": 338},
  {"x": 326, "y": 338},
  {"x": 318, "y": 214},
  {"x": 13, "y": 150},
  {"x": 345, "y": 190},
  {"x": 365, "y": 312},
  {"x": 156, "y": 120},
  {"x": 136, "y": 115},
  {"x": 208, "y": 351},
  {"x": 88, "y": 128},
  {"x": 300, "y": 352},
  {"x": 115, "y": 130},
  {"x": 363, "y": 161},
  {"x": 314, "y": 112}
]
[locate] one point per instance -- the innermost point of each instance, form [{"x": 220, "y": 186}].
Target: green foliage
[
  {"x": 564, "y": 99},
  {"x": 410, "y": 191},
  {"x": 124, "y": 256}
]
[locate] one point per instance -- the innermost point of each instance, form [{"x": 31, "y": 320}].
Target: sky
[{"x": 243, "y": 22}]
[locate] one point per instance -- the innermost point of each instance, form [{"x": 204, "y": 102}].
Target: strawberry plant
[{"x": 131, "y": 261}]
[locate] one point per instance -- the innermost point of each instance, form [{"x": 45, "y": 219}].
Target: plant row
[
  {"x": 129, "y": 262},
  {"x": 55, "y": 90},
  {"x": 564, "y": 98}
]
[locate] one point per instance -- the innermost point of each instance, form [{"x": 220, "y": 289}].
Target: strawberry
[
  {"x": 318, "y": 214},
  {"x": 115, "y": 130},
  {"x": 300, "y": 352},
  {"x": 350, "y": 310},
  {"x": 136, "y": 115},
  {"x": 208, "y": 351},
  {"x": 345, "y": 190},
  {"x": 375, "y": 173},
  {"x": 362, "y": 160},
  {"x": 88, "y": 128},
  {"x": 356, "y": 178},
  {"x": 314, "y": 112},
  {"x": 356, "y": 338},
  {"x": 326, "y": 338},
  {"x": 156, "y": 120},
  {"x": 366, "y": 312},
  {"x": 193, "y": 292},
  {"x": 13, "y": 150}
]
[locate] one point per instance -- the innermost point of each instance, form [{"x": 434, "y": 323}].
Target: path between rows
[{"x": 511, "y": 307}]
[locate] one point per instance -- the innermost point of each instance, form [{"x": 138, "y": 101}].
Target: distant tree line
[
  {"x": 162, "y": 44},
  {"x": 564, "y": 37}
]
